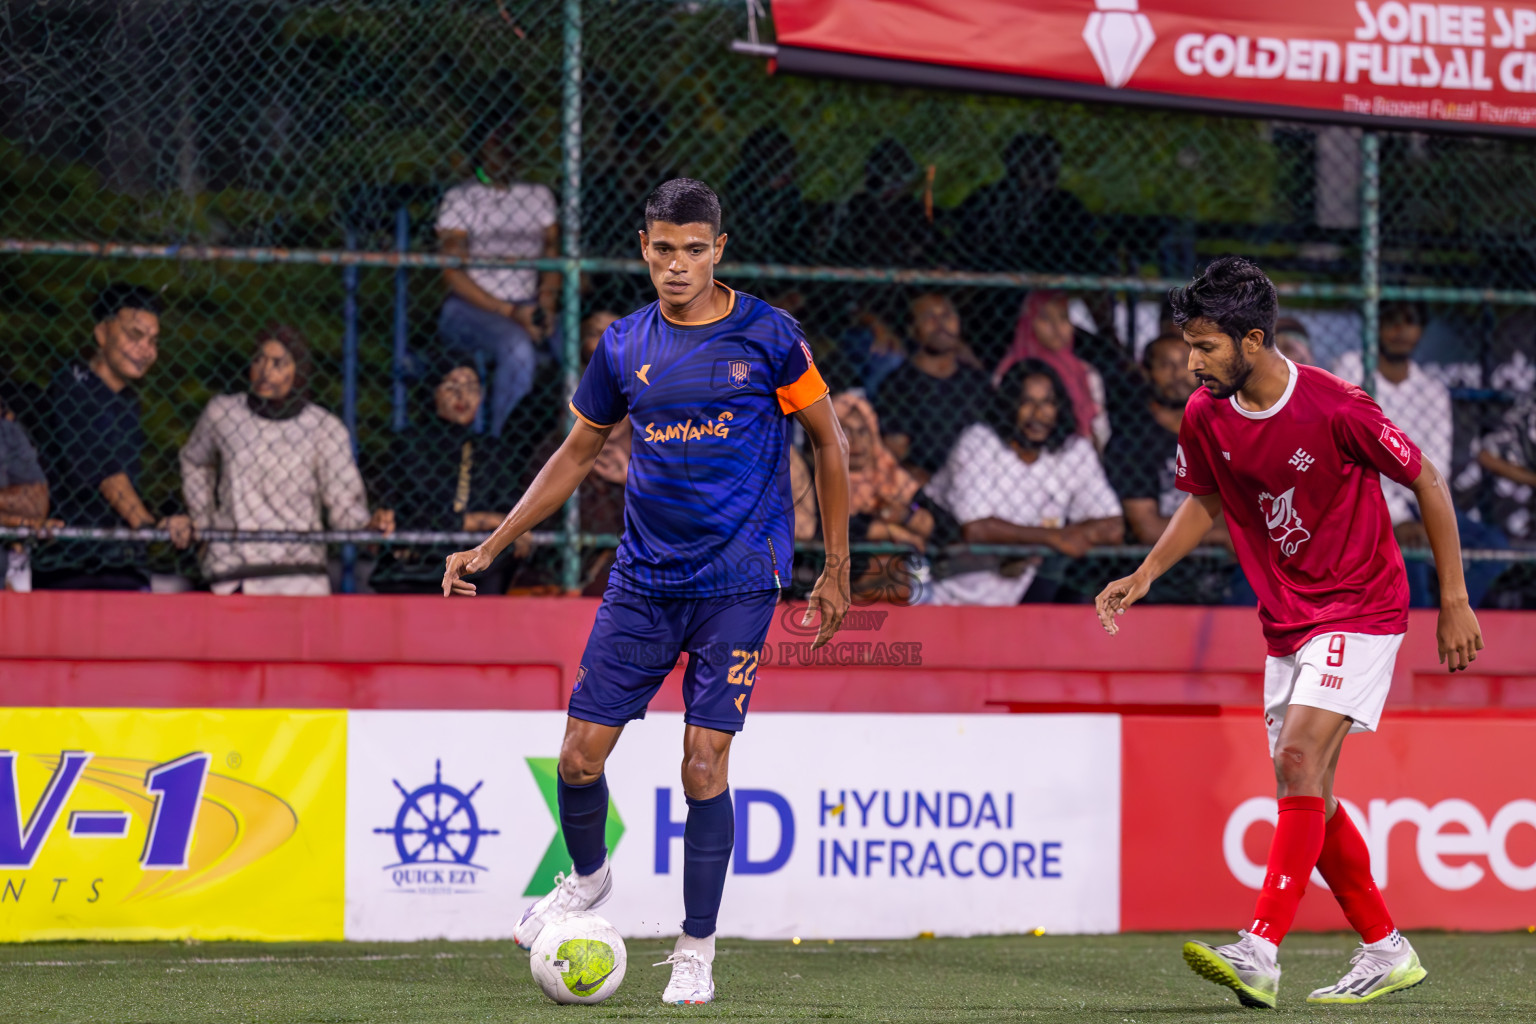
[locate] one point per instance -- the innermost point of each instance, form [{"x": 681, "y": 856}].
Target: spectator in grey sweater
[{"x": 270, "y": 459}]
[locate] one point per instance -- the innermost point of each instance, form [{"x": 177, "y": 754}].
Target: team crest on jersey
[
  {"x": 1395, "y": 443},
  {"x": 1284, "y": 521},
  {"x": 741, "y": 371}
]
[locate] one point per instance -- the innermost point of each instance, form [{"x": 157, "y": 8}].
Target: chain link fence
[{"x": 382, "y": 237}]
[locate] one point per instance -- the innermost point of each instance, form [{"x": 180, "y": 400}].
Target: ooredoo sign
[{"x": 1450, "y": 826}]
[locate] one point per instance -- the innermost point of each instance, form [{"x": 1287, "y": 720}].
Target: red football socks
[
  {"x": 1345, "y": 865},
  {"x": 1293, "y": 854}
]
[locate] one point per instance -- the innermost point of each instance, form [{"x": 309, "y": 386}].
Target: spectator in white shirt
[
  {"x": 503, "y": 314},
  {"x": 1293, "y": 341},
  {"x": 1038, "y": 483},
  {"x": 1412, "y": 399}
]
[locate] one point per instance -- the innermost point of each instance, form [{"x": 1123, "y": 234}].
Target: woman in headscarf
[
  {"x": 270, "y": 459},
  {"x": 441, "y": 475},
  {"x": 884, "y": 503},
  {"x": 1045, "y": 332}
]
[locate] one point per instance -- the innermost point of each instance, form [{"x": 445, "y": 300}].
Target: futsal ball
[{"x": 578, "y": 958}]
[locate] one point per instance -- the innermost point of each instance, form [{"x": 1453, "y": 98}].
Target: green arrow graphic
[{"x": 557, "y": 858}]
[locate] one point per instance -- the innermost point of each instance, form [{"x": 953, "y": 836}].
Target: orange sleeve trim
[
  {"x": 589, "y": 421},
  {"x": 802, "y": 393}
]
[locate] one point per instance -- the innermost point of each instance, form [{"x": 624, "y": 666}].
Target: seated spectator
[
  {"x": 92, "y": 447},
  {"x": 1504, "y": 462},
  {"x": 884, "y": 504},
  {"x": 21, "y": 400},
  {"x": 1293, "y": 341},
  {"x": 23, "y": 497},
  {"x": 1044, "y": 332},
  {"x": 1506, "y": 455},
  {"x": 1041, "y": 485},
  {"x": 763, "y": 195},
  {"x": 270, "y": 459},
  {"x": 601, "y": 494},
  {"x": 927, "y": 401},
  {"x": 502, "y": 314},
  {"x": 23, "y": 488},
  {"x": 1141, "y": 463},
  {"x": 886, "y": 225},
  {"x": 1419, "y": 404},
  {"x": 440, "y": 475},
  {"x": 1026, "y": 221}
]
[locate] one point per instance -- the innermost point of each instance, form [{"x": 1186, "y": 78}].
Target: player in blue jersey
[{"x": 708, "y": 377}]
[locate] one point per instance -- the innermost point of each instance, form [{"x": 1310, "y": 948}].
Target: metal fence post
[
  {"x": 1370, "y": 255},
  {"x": 402, "y": 312},
  {"x": 349, "y": 280},
  {"x": 570, "y": 241}
]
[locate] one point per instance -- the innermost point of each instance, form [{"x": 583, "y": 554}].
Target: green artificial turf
[{"x": 1120, "y": 979}]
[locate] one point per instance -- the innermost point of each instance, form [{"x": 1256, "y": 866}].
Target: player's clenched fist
[
  {"x": 1114, "y": 599},
  {"x": 1458, "y": 635},
  {"x": 830, "y": 596},
  {"x": 459, "y": 565}
]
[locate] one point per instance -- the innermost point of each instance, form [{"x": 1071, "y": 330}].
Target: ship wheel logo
[{"x": 437, "y": 824}]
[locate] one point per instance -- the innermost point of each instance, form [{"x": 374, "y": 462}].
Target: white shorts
[{"x": 1348, "y": 673}]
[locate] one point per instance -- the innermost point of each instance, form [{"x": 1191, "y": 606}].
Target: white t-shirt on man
[
  {"x": 507, "y": 221},
  {"x": 984, "y": 478},
  {"x": 1421, "y": 406}
]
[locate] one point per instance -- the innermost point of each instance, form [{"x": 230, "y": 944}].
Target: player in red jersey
[{"x": 1292, "y": 457}]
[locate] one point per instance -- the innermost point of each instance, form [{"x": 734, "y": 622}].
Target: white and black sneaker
[
  {"x": 1246, "y": 966},
  {"x": 571, "y": 893},
  {"x": 1390, "y": 965},
  {"x": 693, "y": 976}
]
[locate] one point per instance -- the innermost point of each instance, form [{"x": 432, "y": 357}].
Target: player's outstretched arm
[
  {"x": 831, "y": 594},
  {"x": 1458, "y": 634},
  {"x": 556, "y": 482},
  {"x": 1186, "y": 529}
]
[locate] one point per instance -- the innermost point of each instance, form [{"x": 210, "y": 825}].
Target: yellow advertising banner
[{"x": 181, "y": 823}]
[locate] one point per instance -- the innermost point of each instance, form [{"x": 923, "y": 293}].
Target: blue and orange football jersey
[{"x": 707, "y": 508}]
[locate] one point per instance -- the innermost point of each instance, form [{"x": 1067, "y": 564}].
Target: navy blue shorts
[{"x": 637, "y": 638}]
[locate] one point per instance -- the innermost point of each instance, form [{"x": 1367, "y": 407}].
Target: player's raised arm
[
  {"x": 1186, "y": 529},
  {"x": 1458, "y": 635},
  {"x": 554, "y": 485},
  {"x": 831, "y": 593}
]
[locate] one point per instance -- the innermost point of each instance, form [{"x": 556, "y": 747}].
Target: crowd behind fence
[{"x": 294, "y": 295}]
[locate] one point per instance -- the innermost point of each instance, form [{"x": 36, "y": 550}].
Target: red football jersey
[{"x": 1300, "y": 487}]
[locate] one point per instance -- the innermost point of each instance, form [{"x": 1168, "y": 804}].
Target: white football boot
[
  {"x": 1387, "y": 966},
  {"x": 571, "y": 893},
  {"x": 693, "y": 976},
  {"x": 1246, "y": 966}
]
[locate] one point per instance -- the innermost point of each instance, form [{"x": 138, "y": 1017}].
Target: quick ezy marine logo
[{"x": 436, "y": 831}]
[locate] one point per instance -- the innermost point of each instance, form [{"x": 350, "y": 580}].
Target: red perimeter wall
[
  {"x": 140, "y": 650},
  {"x": 1186, "y": 681}
]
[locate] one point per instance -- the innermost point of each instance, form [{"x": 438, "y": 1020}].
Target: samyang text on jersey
[{"x": 707, "y": 506}]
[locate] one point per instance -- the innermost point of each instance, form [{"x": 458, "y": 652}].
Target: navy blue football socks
[
  {"x": 583, "y": 817},
  {"x": 708, "y": 837}
]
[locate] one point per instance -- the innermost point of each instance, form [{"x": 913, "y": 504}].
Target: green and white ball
[{"x": 578, "y": 958}]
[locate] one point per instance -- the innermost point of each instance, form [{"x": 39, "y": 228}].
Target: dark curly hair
[
  {"x": 1005, "y": 405},
  {"x": 1234, "y": 294}
]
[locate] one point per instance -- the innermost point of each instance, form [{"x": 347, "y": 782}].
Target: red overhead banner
[{"x": 1471, "y": 65}]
